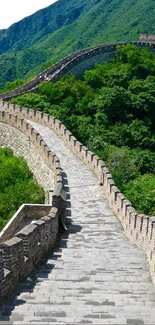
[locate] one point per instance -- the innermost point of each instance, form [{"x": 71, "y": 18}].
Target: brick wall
[
  {"x": 22, "y": 146},
  {"x": 23, "y": 216},
  {"x": 68, "y": 63},
  {"x": 147, "y": 38},
  {"x": 140, "y": 229},
  {"x": 21, "y": 254}
]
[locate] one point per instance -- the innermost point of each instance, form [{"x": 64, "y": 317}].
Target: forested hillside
[
  {"x": 112, "y": 111},
  {"x": 66, "y": 26},
  {"x": 16, "y": 185}
]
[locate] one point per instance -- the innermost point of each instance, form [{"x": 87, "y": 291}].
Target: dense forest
[
  {"x": 37, "y": 41},
  {"x": 111, "y": 109},
  {"x": 16, "y": 185}
]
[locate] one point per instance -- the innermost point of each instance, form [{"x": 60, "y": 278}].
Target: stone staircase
[{"x": 96, "y": 276}]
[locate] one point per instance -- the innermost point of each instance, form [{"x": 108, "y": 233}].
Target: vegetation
[
  {"x": 112, "y": 111},
  {"x": 27, "y": 46},
  {"x": 16, "y": 185},
  {"x": 12, "y": 85}
]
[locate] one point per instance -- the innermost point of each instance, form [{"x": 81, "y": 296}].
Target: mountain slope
[
  {"x": 36, "y": 27},
  {"x": 67, "y": 26}
]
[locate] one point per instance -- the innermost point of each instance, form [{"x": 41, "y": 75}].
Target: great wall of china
[
  {"x": 66, "y": 65},
  {"x": 80, "y": 180}
]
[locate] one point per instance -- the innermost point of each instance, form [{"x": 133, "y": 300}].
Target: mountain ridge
[
  {"x": 43, "y": 16},
  {"x": 66, "y": 26}
]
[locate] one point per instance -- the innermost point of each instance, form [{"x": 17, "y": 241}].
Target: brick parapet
[
  {"x": 28, "y": 211},
  {"x": 147, "y": 38},
  {"x": 23, "y": 252},
  {"x": 140, "y": 229},
  {"x": 66, "y": 64},
  {"x": 16, "y": 120}
]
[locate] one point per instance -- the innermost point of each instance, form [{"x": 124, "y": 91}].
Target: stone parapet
[
  {"x": 23, "y": 252},
  {"x": 21, "y": 255},
  {"x": 27, "y": 212},
  {"x": 140, "y": 229},
  {"x": 15, "y": 119},
  {"x": 69, "y": 62},
  {"x": 147, "y": 38}
]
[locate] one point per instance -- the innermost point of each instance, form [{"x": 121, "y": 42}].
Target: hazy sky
[{"x": 12, "y": 11}]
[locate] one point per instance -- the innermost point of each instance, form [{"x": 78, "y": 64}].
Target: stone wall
[
  {"x": 22, "y": 146},
  {"x": 147, "y": 38},
  {"x": 68, "y": 63},
  {"x": 24, "y": 216},
  {"x": 140, "y": 229},
  {"x": 79, "y": 69},
  {"x": 22, "y": 253}
]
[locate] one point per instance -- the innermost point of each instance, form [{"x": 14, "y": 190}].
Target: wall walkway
[
  {"x": 96, "y": 276},
  {"x": 67, "y": 65}
]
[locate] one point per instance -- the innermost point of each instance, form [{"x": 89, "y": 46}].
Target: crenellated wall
[
  {"x": 21, "y": 254},
  {"x": 22, "y": 146},
  {"x": 140, "y": 229},
  {"x": 17, "y": 127},
  {"x": 25, "y": 215},
  {"x": 67, "y": 64},
  {"x": 147, "y": 38}
]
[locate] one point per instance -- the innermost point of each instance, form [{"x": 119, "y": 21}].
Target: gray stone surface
[
  {"x": 19, "y": 143},
  {"x": 96, "y": 276}
]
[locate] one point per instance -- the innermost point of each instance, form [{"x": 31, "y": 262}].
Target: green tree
[
  {"x": 111, "y": 110},
  {"x": 16, "y": 185},
  {"x": 141, "y": 192}
]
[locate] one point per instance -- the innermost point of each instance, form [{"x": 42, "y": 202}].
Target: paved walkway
[{"x": 96, "y": 276}]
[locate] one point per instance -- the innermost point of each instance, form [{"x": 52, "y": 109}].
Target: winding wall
[
  {"x": 22, "y": 146},
  {"x": 65, "y": 65},
  {"x": 138, "y": 228},
  {"x": 22, "y": 253},
  {"x": 95, "y": 276}
]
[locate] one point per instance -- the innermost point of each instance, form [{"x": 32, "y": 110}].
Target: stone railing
[
  {"x": 22, "y": 125},
  {"x": 66, "y": 64},
  {"x": 22, "y": 253},
  {"x": 139, "y": 228},
  {"x": 147, "y": 38},
  {"x": 24, "y": 215}
]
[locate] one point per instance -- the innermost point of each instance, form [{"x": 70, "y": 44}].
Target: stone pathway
[{"x": 95, "y": 276}]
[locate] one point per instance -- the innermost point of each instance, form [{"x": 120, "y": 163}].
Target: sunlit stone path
[{"x": 96, "y": 276}]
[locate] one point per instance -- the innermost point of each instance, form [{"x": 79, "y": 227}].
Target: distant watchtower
[{"x": 147, "y": 38}]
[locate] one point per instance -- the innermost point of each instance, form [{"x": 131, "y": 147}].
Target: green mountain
[{"x": 37, "y": 41}]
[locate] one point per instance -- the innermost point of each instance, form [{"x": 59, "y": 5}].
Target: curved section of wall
[
  {"x": 21, "y": 254},
  {"x": 79, "y": 69},
  {"x": 22, "y": 146},
  {"x": 147, "y": 38},
  {"x": 97, "y": 52},
  {"x": 67, "y": 64},
  {"x": 30, "y": 141},
  {"x": 139, "y": 228}
]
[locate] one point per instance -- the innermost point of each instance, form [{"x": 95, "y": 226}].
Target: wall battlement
[
  {"x": 63, "y": 66},
  {"x": 139, "y": 228},
  {"x": 22, "y": 253},
  {"x": 147, "y": 38}
]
